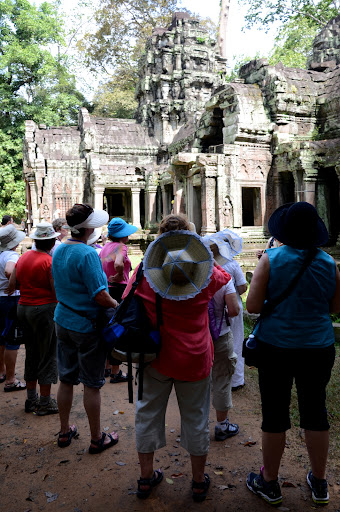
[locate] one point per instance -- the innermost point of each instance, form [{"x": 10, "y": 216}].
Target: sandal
[
  {"x": 65, "y": 439},
  {"x": 150, "y": 482},
  {"x": 2, "y": 378},
  {"x": 100, "y": 446},
  {"x": 119, "y": 377},
  {"x": 204, "y": 486},
  {"x": 107, "y": 372},
  {"x": 16, "y": 386}
]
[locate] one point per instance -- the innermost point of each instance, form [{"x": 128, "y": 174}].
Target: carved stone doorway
[
  {"x": 118, "y": 203},
  {"x": 197, "y": 208},
  {"x": 327, "y": 202},
  {"x": 251, "y": 206},
  {"x": 287, "y": 187}
]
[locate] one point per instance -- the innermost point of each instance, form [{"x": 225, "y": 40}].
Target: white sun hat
[
  {"x": 44, "y": 231},
  {"x": 10, "y": 237},
  {"x": 228, "y": 244}
]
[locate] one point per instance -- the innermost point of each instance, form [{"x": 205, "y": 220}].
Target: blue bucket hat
[{"x": 118, "y": 228}]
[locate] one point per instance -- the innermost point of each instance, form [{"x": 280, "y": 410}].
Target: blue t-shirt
[
  {"x": 78, "y": 277},
  {"x": 301, "y": 320}
]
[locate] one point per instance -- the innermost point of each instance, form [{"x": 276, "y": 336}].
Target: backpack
[
  {"x": 213, "y": 327},
  {"x": 130, "y": 336}
]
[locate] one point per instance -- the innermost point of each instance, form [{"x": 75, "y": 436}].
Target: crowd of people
[{"x": 55, "y": 292}]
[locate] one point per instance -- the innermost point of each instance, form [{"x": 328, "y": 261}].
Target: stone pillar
[
  {"x": 208, "y": 202},
  {"x": 99, "y": 196},
  {"x": 150, "y": 203},
  {"x": 135, "y": 207},
  {"x": 165, "y": 201},
  {"x": 310, "y": 182},
  {"x": 34, "y": 203}
]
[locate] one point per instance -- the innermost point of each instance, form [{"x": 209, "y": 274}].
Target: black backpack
[{"x": 130, "y": 336}]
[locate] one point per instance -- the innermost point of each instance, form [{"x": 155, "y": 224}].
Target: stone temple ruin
[{"x": 226, "y": 154}]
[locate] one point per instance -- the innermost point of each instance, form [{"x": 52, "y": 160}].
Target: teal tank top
[{"x": 302, "y": 320}]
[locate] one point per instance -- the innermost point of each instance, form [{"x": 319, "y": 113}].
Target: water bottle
[
  {"x": 251, "y": 342},
  {"x": 249, "y": 352}
]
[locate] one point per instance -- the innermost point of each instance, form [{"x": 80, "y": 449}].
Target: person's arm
[
  {"x": 105, "y": 300},
  {"x": 52, "y": 285},
  {"x": 12, "y": 285},
  {"x": 119, "y": 267},
  {"x": 258, "y": 286},
  {"x": 232, "y": 304},
  {"x": 242, "y": 288},
  {"x": 9, "y": 267},
  {"x": 334, "y": 306}
]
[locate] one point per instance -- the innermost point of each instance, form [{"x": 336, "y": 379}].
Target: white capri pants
[{"x": 194, "y": 403}]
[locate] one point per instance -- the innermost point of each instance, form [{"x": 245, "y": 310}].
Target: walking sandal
[
  {"x": 204, "y": 486},
  {"x": 150, "y": 483}
]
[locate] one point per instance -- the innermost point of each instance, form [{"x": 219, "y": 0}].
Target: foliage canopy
[{"x": 34, "y": 84}]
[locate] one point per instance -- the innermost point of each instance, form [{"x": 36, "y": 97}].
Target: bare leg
[
  {"x": 273, "y": 446},
  {"x": 31, "y": 384},
  {"x": 146, "y": 464},
  {"x": 45, "y": 390},
  {"x": 64, "y": 399},
  {"x": 317, "y": 445},
  {"x": 92, "y": 403},
  {"x": 2, "y": 360},
  {"x": 10, "y": 360},
  {"x": 197, "y": 466},
  {"x": 222, "y": 415}
]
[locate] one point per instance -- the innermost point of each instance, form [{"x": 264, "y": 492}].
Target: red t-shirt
[
  {"x": 187, "y": 348},
  {"x": 33, "y": 276}
]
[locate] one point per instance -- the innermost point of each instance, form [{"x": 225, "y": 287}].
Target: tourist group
[{"x": 52, "y": 296}]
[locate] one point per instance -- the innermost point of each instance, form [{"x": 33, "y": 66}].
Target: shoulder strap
[{"x": 271, "y": 305}]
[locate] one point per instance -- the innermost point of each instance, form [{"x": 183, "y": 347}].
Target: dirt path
[{"x": 36, "y": 475}]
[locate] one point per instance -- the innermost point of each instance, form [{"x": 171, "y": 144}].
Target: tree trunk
[{"x": 222, "y": 29}]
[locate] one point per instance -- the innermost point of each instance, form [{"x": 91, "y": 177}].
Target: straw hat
[
  {"x": 298, "y": 225},
  {"x": 177, "y": 265},
  {"x": 44, "y": 231},
  {"x": 227, "y": 243},
  {"x": 10, "y": 237}
]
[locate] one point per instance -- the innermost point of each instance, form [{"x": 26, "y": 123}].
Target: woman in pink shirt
[
  {"x": 186, "y": 354},
  {"x": 117, "y": 266}
]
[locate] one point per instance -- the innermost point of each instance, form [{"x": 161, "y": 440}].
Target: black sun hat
[{"x": 298, "y": 225}]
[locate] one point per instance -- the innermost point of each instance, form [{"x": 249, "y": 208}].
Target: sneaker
[
  {"x": 31, "y": 405},
  {"x": 319, "y": 489},
  {"x": 269, "y": 491},
  {"x": 50, "y": 408},
  {"x": 232, "y": 429}
]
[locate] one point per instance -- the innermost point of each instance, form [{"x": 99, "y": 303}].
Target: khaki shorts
[
  {"x": 194, "y": 403},
  {"x": 222, "y": 371}
]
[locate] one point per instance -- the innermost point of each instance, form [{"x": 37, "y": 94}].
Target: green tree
[
  {"x": 34, "y": 84},
  {"x": 298, "y": 23}
]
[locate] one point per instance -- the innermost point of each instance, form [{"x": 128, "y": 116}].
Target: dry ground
[{"x": 36, "y": 475}]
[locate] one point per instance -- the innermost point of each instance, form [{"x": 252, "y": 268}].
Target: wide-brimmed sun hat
[
  {"x": 118, "y": 228},
  {"x": 95, "y": 236},
  {"x": 177, "y": 265},
  {"x": 44, "y": 231},
  {"x": 227, "y": 243},
  {"x": 96, "y": 219},
  {"x": 298, "y": 225},
  {"x": 10, "y": 237}
]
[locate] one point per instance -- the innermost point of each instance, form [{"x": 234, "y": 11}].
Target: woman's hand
[{"x": 117, "y": 278}]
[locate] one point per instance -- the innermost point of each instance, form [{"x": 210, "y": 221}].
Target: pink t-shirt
[
  {"x": 187, "y": 348},
  {"x": 108, "y": 256}
]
